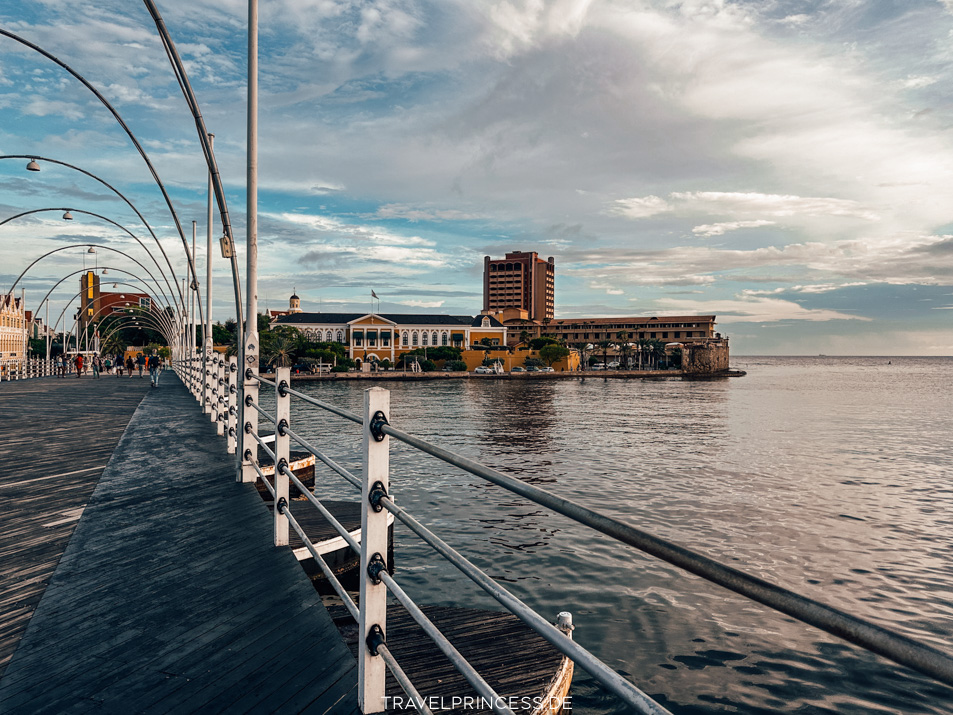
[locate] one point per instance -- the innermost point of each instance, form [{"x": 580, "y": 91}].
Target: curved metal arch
[
  {"x": 82, "y": 270},
  {"x": 160, "y": 328},
  {"x": 142, "y": 311},
  {"x": 116, "y": 329},
  {"x": 116, "y": 191},
  {"x": 132, "y": 137},
  {"x": 94, "y": 245},
  {"x": 109, "y": 220},
  {"x": 169, "y": 325},
  {"x": 163, "y": 327}
]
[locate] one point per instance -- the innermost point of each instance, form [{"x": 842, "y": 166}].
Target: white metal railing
[
  {"x": 377, "y": 500},
  {"x": 28, "y": 369}
]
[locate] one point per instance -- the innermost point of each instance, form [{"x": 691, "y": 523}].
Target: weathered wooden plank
[{"x": 170, "y": 595}]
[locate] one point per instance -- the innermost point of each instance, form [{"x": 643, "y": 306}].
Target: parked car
[
  {"x": 517, "y": 369},
  {"x": 546, "y": 369},
  {"x": 597, "y": 366},
  {"x": 532, "y": 368},
  {"x": 613, "y": 365},
  {"x": 482, "y": 370}
]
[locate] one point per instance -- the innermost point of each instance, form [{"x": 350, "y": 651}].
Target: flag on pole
[{"x": 374, "y": 295}]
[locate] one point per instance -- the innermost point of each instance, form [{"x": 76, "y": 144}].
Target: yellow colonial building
[
  {"x": 377, "y": 337},
  {"x": 13, "y": 329}
]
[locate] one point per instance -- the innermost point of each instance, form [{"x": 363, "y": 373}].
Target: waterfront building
[
  {"x": 521, "y": 280},
  {"x": 573, "y": 331},
  {"x": 13, "y": 329},
  {"x": 376, "y": 337},
  {"x": 98, "y": 304}
]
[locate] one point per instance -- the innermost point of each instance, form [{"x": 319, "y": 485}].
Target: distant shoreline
[{"x": 581, "y": 375}]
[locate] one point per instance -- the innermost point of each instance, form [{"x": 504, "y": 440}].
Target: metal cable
[
  {"x": 877, "y": 639},
  {"x": 263, "y": 413},
  {"x": 325, "y": 406},
  {"x": 327, "y": 460},
  {"x": 261, "y": 476},
  {"x": 345, "y": 534},
  {"x": 586, "y": 660},
  {"x": 458, "y": 661},
  {"x": 332, "y": 579},
  {"x": 264, "y": 447},
  {"x": 420, "y": 705}
]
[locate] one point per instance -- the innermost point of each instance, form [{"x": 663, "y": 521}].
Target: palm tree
[
  {"x": 280, "y": 352},
  {"x": 624, "y": 348},
  {"x": 605, "y": 345}
]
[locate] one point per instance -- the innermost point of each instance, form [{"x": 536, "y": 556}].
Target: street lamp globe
[
  {"x": 67, "y": 216},
  {"x": 32, "y": 166}
]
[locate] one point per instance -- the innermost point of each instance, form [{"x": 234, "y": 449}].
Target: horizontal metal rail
[
  {"x": 456, "y": 658},
  {"x": 877, "y": 639},
  {"x": 338, "y": 526},
  {"x": 582, "y": 657},
  {"x": 262, "y": 380},
  {"x": 261, "y": 476},
  {"x": 263, "y": 413},
  {"x": 323, "y": 457},
  {"x": 346, "y": 414},
  {"x": 264, "y": 446},
  {"x": 420, "y": 705},
  {"x": 322, "y": 564}
]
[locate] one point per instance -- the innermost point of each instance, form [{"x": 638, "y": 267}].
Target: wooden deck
[
  {"x": 169, "y": 596},
  {"x": 55, "y": 441}
]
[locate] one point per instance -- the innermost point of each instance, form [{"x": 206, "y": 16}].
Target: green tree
[
  {"x": 624, "y": 348},
  {"x": 458, "y": 366},
  {"x": 605, "y": 345},
  {"x": 541, "y": 342},
  {"x": 428, "y": 365},
  {"x": 279, "y": 351},
  {"x": 553, "y": 353}
]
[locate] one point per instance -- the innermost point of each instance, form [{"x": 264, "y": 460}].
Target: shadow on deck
[{"x": 169, "y": 596}]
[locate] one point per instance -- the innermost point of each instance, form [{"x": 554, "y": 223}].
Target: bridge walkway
[{"x": 170, "y": 596}]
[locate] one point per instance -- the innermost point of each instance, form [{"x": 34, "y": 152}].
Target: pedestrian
[
  {"x": 59, "y": 365},
  {"x": 130, "y": 366},
  {"x": 96, "y": 364},
  {"x": 140, "y": 362},
  {"x": 119, "y": 365},
  {"x": 79, "y": 364},
  {"x": 154, "y": 367}
]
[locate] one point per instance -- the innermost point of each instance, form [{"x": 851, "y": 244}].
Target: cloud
[
  {"x": 640, "y": 207},
  {"x": 750, "y": 309},
  {"x": 422, "y": 303},
  {"x": 403, "y": 211},
  {"x": 719, "y": 229}
]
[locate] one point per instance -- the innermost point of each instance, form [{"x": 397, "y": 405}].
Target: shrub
[
  {"x": 339, "y": 368},
  {"x": 458, "y": 366},
  {"x": 428, "y": 365}
]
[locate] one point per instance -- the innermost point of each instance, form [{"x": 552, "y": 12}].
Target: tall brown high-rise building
[{"x": 521, "y": 280}]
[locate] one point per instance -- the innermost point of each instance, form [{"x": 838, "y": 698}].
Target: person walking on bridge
[
  {"x": 140, "y": 363},
  {"x": 155, "y": 366},
  {"x": 59, "y": 366},
  {"x": 79, "y": 365},
  {"x": 130, "y": 366}
]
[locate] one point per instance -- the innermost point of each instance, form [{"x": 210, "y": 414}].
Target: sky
[{"x": 785, "y": 165}]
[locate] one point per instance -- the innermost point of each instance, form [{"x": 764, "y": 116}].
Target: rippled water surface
[{"x": 830, "y": 476}]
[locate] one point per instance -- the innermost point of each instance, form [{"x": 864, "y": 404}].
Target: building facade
[
  {"x": 673, "y": 328},
  {"x": 373, "y": 337},
  {"x": 521, "y": 280},
  {"x": 13, "y": 329},
  {"x": 97, "y": 304}
]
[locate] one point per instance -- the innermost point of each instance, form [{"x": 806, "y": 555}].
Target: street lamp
[
  {"x": 32, "y": 166},
  {"x": 67, "y": 216}
]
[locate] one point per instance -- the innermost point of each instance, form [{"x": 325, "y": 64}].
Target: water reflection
[{"x": 821, "y": 476}]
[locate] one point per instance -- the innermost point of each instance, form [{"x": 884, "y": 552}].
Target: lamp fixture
[
  {"x": 67, "y": 216},
  {"x": 32, "y": 166}
]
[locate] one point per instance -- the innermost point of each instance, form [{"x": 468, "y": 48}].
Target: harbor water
[{"x": 829, "y": 476}]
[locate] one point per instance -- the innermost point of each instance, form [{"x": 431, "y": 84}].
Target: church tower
[{"x": 294, "y": 305}]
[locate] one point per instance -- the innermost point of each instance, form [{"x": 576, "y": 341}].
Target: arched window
[
  {"x": 415, "y": 340},
  {"x": 340, "y": 336},
  {"x": 424, "y": 338},
  {"x": 328, "y": 336},
  {"x": 486, "y": 323},
  {"x": 405, "y": 339},
  {"x": 434, "y": 339},
  {"x": 443, "y": 338}
]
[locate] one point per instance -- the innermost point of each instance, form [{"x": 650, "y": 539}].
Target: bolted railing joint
[
  {"x": 281, "y": 426},
  {"x": 375, "y": 495},
  {"x": 375, "y": 639},
  {"x": 249, "y": 373},
  {"x": 247, "y": 455},
  {"x": 374, "y": 568},
  {"x": 283, "y": 388},
  {"x": 377, "y": 424},
  {"x": 248, "y": 428},
  {"x": 281, "y": 505}
]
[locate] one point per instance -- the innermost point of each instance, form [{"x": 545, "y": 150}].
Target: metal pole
[
  {"x": 208, "y": 342},
  {"x": 248, "y": 419}
]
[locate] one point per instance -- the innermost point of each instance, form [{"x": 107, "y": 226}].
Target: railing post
[
  {"x": 221, "y": 394},
  {"x": 249, "y": 424},
  {"x": 230, "y": 404},
  {"x": 282, "y": 449},
  {"x": 207, "y": 367},
  {"x": 373, "y": 601}
]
